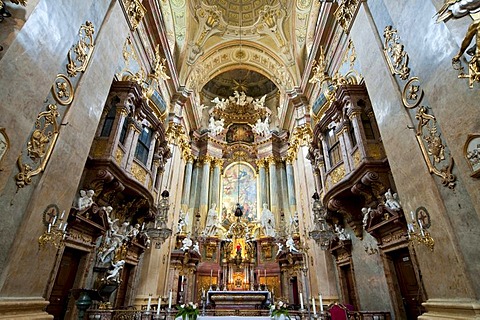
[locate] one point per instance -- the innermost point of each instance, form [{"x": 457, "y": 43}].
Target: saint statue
[{"x": 268, "y": 221}]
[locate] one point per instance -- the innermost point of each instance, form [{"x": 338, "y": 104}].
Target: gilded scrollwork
[
  {"x": 135, "y": 12},
  {"x": 412, "y": 93},
  {"x": 63, "y": 90},
  {"x": 79, "y": 55},
  {"x": 434, "y": 152},
  {"x": 39, "y": 147},
  {"x": 394, "y": 51},
  {"x": 346, "y": 12}
]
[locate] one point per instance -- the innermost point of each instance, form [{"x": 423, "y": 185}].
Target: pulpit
[{"x": 238, "y": 299}]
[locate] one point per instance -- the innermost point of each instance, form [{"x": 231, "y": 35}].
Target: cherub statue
[
  {"x": 114, "y": 274},
  {"x": 366, "y": 215},
  {"x": 259, "y": 103},
  {"x": 280, "y": 248},
  {"x": 186, "y": 243},
  {"x": 291, "y": 245},
  {"x": 196, "y": 247},
  {"x": 182, "y": 222},
  {"x": 392, "y": 201},
  {"x": 341, "y": 233},
  {"x": 86, "y": 199}
]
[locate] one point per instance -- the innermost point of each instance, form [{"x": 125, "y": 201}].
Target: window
[
  {"x": 351, "y": 132},
  {"x": 143, "y": 145},
  {"x": 123, "y": 133},
  {"x": 333, "y": 147},
  {"x": 107, "y": 125},
  {"x": 367, "y": 127}
]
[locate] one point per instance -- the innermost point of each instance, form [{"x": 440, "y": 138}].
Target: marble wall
[{"x": 27, "y": 71}]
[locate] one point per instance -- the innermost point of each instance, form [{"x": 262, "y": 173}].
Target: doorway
[
  {"x": 64, "y": 282},
  {"x": 348, "y": 286},
  {"x": 410, "y": 291}
]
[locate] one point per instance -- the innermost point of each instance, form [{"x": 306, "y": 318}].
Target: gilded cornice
[
  {"x": 135, "y": 12},
  {"x": 175, "y": 134},
  {"x": 346, "y": 13},
  {"x": 301, "y": 136}
]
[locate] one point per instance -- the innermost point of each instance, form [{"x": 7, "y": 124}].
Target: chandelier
[
  {"x": 321, "y": 233},
  {"x": 159, "y": 232}
]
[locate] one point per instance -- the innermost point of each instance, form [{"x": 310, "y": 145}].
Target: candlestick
[
  {"x": 181, "y": 283},
  {"x": 321, "y": 302},
  {"x": 211, "y": 274},
  {"x": 314, "y": 307},
  {"x": 170, "y": 300},
  {"x": 149, "y": 302},
  {"x": 301, "y": 301},
  {"x": 159, "y": 304}
]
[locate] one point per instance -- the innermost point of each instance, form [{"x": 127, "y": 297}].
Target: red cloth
[{"x": 338, "y": 313}]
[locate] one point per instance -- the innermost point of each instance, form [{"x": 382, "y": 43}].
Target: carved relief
[
  {"x": 135, "y": 12},
  {"x": 346, "y": 12},
  {"x": 39, "y": 147},
  {"x": 472, "y": 153},
  {"x": 139, "y": 173},
  {"x": 394, "y": 51},
  {"x": 63, "y": 90},
  {"x": 79, "y": 55},
  {"x": 4, "y": 143}
]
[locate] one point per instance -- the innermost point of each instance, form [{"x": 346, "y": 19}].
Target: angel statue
[{"x": 392, "y": 201}]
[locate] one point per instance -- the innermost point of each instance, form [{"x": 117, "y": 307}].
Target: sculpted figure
[
  {"x": 280, "y": 248},
  {"x": 342, "y": 234},
  {"x": 186, "y": 243},
  {"x": 392, "y": 201},
  {"x": 268, "y": 221},
  {"x": 114, "y": 274},
  {"x": 291, "y": 245},
  {"x": 212, "y": 221},
  {"x": 182, "y": 222},
  {"x": 86, "y": 199}
]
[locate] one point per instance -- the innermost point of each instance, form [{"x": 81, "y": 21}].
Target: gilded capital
[
  {"x": 260, "y": 163},
  {"x": 207, "y": 159},
  {"x": 270, "y": 160},
  {"x": 218, "y": 162}
]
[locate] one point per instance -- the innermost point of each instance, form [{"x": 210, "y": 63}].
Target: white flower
[
  {"x": 194, "y": 306},
  {"x": 280, "y": 304},
  {"x": 272, "y": 307},
  {"x": 182, "y": 306}
]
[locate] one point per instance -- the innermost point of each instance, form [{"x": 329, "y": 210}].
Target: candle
[
  {"x": 63, "y": 213},
  {"x": 421, "y": 227},
  {"x": 54, "y": 220},
  {"x": 49, "y": 227},
  {"x": 301, "y": 301},
  {"x": 149, "y": 302},
  {"x": 158, "y": 306},
  {"x": 60, "y": 226},
  {"x": 314, "y": 307},
  {"x": 412, "y": 215},
  {"x": 321, "y": 302},
  {"x": 170, "y": 300},
  {"x": 65, "y": 227}
]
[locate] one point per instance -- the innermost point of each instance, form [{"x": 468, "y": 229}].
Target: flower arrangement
[
  {"x": 189, "y": 310},
  {"x": 279, "y": 309}
]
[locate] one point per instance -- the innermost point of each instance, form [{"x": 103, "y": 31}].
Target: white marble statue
[
  {"x": 280, "y": 248},
  {"x": 262, "y": 128},
  {"x": 259, "y": 103},
  {"x": 268, "y": 221},
  {"x": 294, "y": 228},
  {"x": 216, "y": 126},
  {"x": 182, "y": 222},
  {"x": 392, "y": 201},
  {"x": 212, "y": 221},
  {"x": 341, "y": 233},
  {"x": 220, "y": 103},
  {"x": 196, "y": 247},
  {"x": 291, "y": 245},
  {"x": 86, "y": 199},
  {"x": 186, "y": 243},
  {"x": 366, "y": 215},
  {"x": 114, "y": 274}
]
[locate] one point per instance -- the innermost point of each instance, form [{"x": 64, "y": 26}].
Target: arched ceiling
[{"x": 240, "y": 12}]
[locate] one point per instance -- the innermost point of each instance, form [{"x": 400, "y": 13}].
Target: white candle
[
  {"x": 181, "y": 283},
  {"x": 60, "y": 226},
  {"x": 170, "y": 300},
  {"x": 421, "y": 227},
  {"x": 63, "y": 213},
  {"x": 412, "y": 215},
  {"x": 54, "y": 220},
  {"x": 301, "y": 301},
  {"x": 65, "y": 227},
  {"x": 159, "y": 304},
  {"x": 49, "y": 227},
  {"x": 321, "y": 302},
  {"x": 149, "y": 303},
  {"x": 314, "y": 307}
]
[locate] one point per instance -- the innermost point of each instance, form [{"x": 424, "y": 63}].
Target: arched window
[
  {"x": 108, "y": 124},
  {"x": 143, "y": 145}
]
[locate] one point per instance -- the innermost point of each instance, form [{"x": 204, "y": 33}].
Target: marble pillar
[
  {"x": 292, "y": 202},
  {"x": 215, "y": 183},
  {"x": 272, "y": 169},
  {"x": 204, "y": 186},
  {"x": 262, "y": 183},
  {"x": 187, "y": 184}
]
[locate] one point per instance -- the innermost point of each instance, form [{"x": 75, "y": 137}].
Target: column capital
[
  {"x": 206, "y": 159},
  {"x": 217, "y": 162},
  {"x": 271, "y": 160},
  {"x": 260, "y": 163}
]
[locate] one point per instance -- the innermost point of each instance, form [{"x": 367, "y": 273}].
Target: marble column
[
  {"x": 215, "y": 182},
  {"x": 204, "y": 186},
  {"x": 292, "y": 202},
  {"x": 354, "y": 115},
  {"x": 262, "y": 183},
  {"x": 133, "y": 132},
  {"x": 272, "y": 168},
  {"x": 283, "y": 200},
  {"x": 120, "y": 118},
  {"x": 194, "y": 194},
  {"x": 187, "y": 184}
]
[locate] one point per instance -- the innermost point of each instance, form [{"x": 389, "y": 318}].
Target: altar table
[{"x": 238, "y": 299}]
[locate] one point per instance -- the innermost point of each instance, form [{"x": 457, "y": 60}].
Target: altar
[{"x": 238, "y": 299}]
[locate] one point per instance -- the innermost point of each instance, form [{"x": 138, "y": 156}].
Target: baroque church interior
[{"x": 239, "y": 155}]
